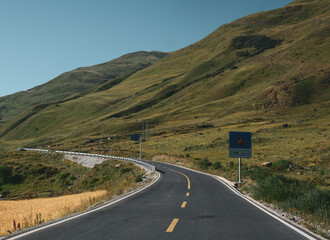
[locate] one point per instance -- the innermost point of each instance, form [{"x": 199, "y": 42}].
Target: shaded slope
[{"x": 75, "y": 82}]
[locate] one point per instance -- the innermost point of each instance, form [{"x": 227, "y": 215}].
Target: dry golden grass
[{"x": 25, "y": 213}]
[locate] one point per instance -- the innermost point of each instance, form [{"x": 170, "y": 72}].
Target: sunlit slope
[
  {"x": 75, "y": 82},
  {"x": 269, "y": 62}
]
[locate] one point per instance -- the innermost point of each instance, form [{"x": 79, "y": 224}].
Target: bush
[
  {"x": 231, "y": 164},
  {"x": 292, "y": 194},
  {"x": 216, "y": 165},
  {"x": 314, "y": 202},
  {"x": 276, "y": 188},
  {"x": 62, "y": 175},
  {"x": 139, "y": 178},
  {"x": 204, "y": 164},
  {"x": 281, "y": 165},
  {"x": 258, "y": 174},
  {"x": 7, "y": 177},
  {"x": 5, "y": 174},
  {"x": 125, "y": 170},
  {"x": 17, "y": 179}
]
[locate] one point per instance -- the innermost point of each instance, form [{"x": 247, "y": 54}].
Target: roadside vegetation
[
  {"x": 296, "y": 196},
  {"x": 38, "y": 187},
  {"x": 20, "y": 214}
]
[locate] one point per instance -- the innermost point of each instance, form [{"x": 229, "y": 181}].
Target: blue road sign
[
  {"x": 240, "y": 145},
  {"x": 135, "y": 137}
]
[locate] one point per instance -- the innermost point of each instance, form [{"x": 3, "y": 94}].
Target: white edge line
[
  {"x": 84, "y": 213},
  {"x": 269, "y": 213},
  {"x": 251, "y": 202}
]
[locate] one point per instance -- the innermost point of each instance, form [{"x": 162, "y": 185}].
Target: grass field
[{"x": 20, "y": 214}]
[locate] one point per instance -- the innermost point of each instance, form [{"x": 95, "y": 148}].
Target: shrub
[
  {"x": 216, "y": 165},
  {"x": 258, "y": 174},
  {"x": 204, "y": 164},
  {"x": 293, "y": 194},
  {"x": 125, "y": 170},
  {"x": 62, "y": 175},
  {"x": 7, "y": 177},
  {"x": 281, "y": 165},
  {"x": 315, "y": 202},
  {"x": 5, "y": 174},
  {"x": 231, "y": 164},
  {"x": 274, "y": 188},
  {"x": 138, "y": 178}
]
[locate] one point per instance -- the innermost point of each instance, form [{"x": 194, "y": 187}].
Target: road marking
[
  {"x": 184, "y": 204},
  {"x": 257, "y": 205},
  {"x": 172, "y": 225},
  {"x": 183, "y": 175},
  {"x": 187, "y": 195},
  {"x": 85, "y": 213}
]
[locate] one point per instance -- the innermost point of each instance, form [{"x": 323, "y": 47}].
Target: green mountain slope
[
  {"x": 270, "y": 60},
  {"x": 255, "y": 73},
  {"x": 75, "y": 82}
]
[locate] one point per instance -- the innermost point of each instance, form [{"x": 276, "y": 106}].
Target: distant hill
[{"x": 75, "y": 82}]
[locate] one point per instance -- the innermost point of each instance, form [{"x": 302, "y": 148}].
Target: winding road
[{"x": 182, "y": 204}]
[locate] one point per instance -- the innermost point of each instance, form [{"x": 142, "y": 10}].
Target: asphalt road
[{"x": 182, "y": 205}]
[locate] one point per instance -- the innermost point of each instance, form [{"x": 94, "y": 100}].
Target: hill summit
[{"x": 75, "y": 82}]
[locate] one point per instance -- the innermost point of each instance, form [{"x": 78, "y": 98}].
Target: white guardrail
[{"x": 146, "y": 166}]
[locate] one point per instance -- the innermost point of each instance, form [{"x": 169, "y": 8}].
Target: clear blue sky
[{"x": 40, "y": 39}]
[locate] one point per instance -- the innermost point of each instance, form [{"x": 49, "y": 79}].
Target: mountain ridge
[{"x": 75, "y": 82}]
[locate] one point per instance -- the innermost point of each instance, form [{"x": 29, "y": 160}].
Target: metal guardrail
[{"x": 146, "y": 166}]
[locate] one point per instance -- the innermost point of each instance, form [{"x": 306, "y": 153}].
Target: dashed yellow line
[
  {"x": 172, "y": 225},
  {"x": 175, "y": 220},
  {"x": 183, "y": 175}
]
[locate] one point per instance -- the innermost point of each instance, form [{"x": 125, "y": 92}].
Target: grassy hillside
[
  {"x": 38, "y": 187},
  {"x": 267, "y": 73},
  {"x": 269, "y": 62},
  {"x": 25, "y": 175},
  {"x": 75, "y": 82}
]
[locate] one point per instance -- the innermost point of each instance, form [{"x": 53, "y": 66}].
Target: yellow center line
[
  {"x": 172, "y": 225},
  {"x": 183, "y": 175},
  {"x": 187, "y": 195},
  {"x": 184, "y": 204}
]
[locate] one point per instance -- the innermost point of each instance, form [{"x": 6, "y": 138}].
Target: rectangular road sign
[
  {"x": 240, "y": 145},
  {"x": 135, "y": 137}
]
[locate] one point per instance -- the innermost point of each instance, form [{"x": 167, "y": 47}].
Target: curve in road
[{"x": 183, "y": 204}]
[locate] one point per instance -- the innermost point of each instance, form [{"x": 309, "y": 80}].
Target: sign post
[
  {"x": 140, "y": 147},
  {"x": 240, "y": 146},
  {"x": 137, "y": 137}
]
